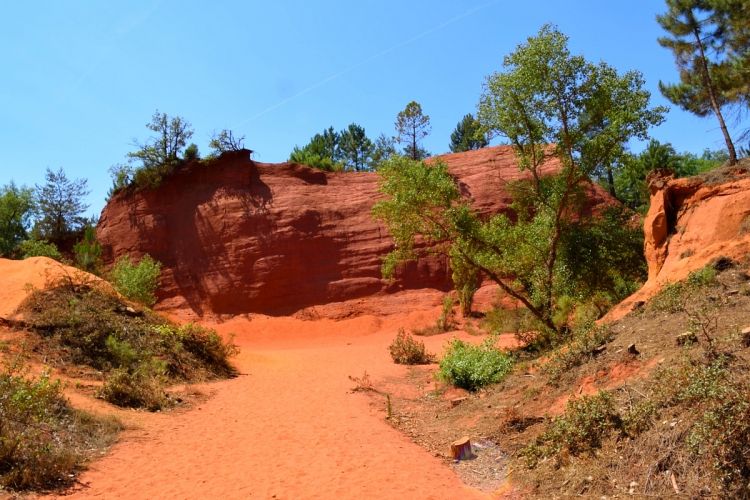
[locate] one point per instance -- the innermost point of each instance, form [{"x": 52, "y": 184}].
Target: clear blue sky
[{"x": 82, "y": 78}]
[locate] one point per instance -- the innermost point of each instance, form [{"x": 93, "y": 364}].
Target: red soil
[{"x": 288, "y": 427}]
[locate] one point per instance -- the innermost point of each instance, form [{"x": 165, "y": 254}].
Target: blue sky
[{"x": 82, "y": 78}]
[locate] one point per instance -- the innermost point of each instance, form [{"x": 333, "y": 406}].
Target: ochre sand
[{"x": 289, "y": 427}]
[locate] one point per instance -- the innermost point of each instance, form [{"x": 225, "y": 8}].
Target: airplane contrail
[{"x": 366, "y": 60}]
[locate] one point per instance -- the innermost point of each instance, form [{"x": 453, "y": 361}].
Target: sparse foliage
[
  {"x": 412, "y": 125},
  {"x": 163, "y": 150},
  {"x": 711, "y": 77},
  {"x": 59, "y": 206},
  {"x": 406, "y": 350},
  {"x": 225, "y": 141},
  {"x": 88, "y": 251}
]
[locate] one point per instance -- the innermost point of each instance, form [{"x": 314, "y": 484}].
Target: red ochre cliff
[{"x": 237, "y": 236}]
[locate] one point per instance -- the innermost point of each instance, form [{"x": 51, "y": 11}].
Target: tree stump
[{"x": 461, "y": 449}]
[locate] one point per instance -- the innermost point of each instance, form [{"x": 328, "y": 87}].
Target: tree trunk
[
  {"x": 712, "y": 95},
  {"x": 611, "y": 181}
]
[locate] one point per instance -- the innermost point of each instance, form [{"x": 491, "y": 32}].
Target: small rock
[
  {"x": 631, "y": 487},
  {"x": 458, "y": 401},
  {"x": 686, "y": 338},
  {"x": 598, "y": 350},
  {"x": 632, "y": 350},
  {"x": 638, "y": 304},
  {"x": 746, "y": 336}
]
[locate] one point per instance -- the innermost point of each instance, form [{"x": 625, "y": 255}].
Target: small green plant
[
  {"x": 406, "y": 350},
  {"x": 445, "y": 320},
  {"x": 43, "y": 441},
  {"x": 138, "y": 352},
  {"x": 472, "y": 367},
  {"x": 586, "y": 421},
  {"x": 39, "y": 248},
  {"x": 137, "y": 281},
  {"x": 673, "y": 296},
  {"x": 141, "y": 385},
  {"x": 88, "y": 251}
]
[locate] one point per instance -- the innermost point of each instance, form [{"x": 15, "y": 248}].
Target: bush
[
  {"x": 139, "y": 386},
  {"x": 192, "y": 345},
  {"x": 137, "y": 281},
  {"x": 42, "y": 440},
  {"x": 39, "y": 248},
  {"x": 138, "y": 351},
  {"x": 406, "y": 350},
  {"x": 88, "y": 252},
  {"x": 586, "y": 421},
  {"x": 472, "y": 367},
  {"x": 673, "y": 296}
]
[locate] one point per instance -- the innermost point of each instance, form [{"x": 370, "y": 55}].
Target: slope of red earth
[
  {"x": 237, "y": 236},
  {"x": 288, "y": 427},
  {"x": 690, "y": 222}
]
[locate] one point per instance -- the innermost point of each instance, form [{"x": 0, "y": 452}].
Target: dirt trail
[{"x": 287, "y": 428}]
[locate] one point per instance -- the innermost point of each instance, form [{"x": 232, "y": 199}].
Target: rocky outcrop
[
  {"x": 237, "y": 236},
  {"x": 690, "y": 222}
]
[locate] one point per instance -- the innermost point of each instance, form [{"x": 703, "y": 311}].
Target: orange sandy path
[{"x": 289, "y": 428}]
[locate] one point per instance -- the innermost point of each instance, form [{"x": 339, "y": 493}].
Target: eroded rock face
[
  {"x": 239, "y": 236},
  {"x": 690, "y": 222}
]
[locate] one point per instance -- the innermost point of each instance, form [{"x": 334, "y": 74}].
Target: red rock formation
[
  {"x": 690, "y": 222},
  {"x": 238, "y": 236}
]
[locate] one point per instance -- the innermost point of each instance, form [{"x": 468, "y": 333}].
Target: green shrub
[
  {"x": 88, "y": 252},
  {"x": 472, "y": 367},
  {"x": 140, "y": 386},
  {"x": 586, "y": 421},
  {"x": 138, "y": 352},
  {"x": 406, "y": 350},
  {"x": 42, "y": 440},
  {"x": 192, "y": 346},
  {"x": 39, "y": 248},
  {"x": 673, "y": 296},
  {"x": 445, "y": 321},
  {"x": 137, "y": 281}
]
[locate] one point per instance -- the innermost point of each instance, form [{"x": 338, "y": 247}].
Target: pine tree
[
  {"x": 468, "y": 135},
  {"x": 355, "y": 148},
  {"x": 411, "y": 127},
  {"x": 699, "y": 30}
]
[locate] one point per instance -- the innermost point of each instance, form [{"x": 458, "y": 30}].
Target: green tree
[
  {"x": 698, "y": 37},
  {"x": 383, "y": 150},
  {"x": 191, "y": 152},
  {"x": 88, "y": 251},
  {"x": 411, "y": 127},
  {"x": 59, "y": 206},
  {"x": 355, "y": 148},
  {"x": 225, "y": 141},
  {"x": 164, "y": 149},
  {"x": 468, "y": 135},
  {"x": 543, "y": 103},
  {"x": 322, "y": 152},
  {"x": 15, "y": 214}
]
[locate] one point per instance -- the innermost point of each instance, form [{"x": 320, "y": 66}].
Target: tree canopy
[
  {"x": 546, "y": 102},
  {"x": 59, "y": 206},
  {"x": 468, "y": 135},
  {"x": 412, "y": 125},
  {"x": 15, "y": 215},
  {"x": 710, "y": 41}
]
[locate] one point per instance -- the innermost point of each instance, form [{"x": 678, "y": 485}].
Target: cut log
[{"x": 461, "y": 449}]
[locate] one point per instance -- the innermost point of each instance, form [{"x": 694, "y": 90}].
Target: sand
[{"x": 288, "y": 427}]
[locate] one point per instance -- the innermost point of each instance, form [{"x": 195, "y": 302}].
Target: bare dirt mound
[
  {"x": 289, "y": 427},
  {"x": 21, "y": 277}
]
